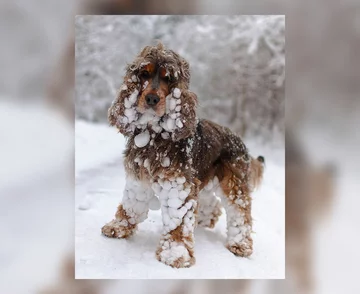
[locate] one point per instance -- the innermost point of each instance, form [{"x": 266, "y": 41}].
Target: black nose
[
  {"x": 261, "y": 159},
  {"x": 152, "y": 99}
]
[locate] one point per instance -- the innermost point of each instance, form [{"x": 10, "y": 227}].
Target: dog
[{"x": 182, "y": 160}]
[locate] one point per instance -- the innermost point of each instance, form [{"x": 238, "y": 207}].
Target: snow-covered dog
[{"x": 184, "y": 161}]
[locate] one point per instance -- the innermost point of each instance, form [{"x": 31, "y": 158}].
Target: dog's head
[{"x": 155, "y": 95}]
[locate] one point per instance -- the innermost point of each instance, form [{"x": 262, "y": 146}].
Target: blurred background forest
[{"x": 237, "y": 65}]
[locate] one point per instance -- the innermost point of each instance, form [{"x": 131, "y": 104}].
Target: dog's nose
[{"x": 152, "y": 99}]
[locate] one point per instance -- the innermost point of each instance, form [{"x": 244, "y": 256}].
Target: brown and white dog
[{"x": 182, "y": 160}]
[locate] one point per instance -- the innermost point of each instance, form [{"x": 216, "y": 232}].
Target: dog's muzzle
[{"x": 152, "y": 99}]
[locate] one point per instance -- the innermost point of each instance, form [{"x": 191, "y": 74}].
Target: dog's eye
[
  {"x": 169, "y": 79},
  {"x": 145, "y": 74}
]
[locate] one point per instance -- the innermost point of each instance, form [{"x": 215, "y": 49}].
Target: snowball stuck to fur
[
  {"x": 145, "y": 85},
  {"x": 174, "y": 202},
  {"x": 165, "y": 162},
  {"x": 133, "y": 96},
  {"x": 177, "y": 93},
  {"x": 165, "y": 135},
  {"x": 142, "y": 139},
  {"x": 127, "y": 103},
  {"x": 170, "y": 124},
  {"x": 181, "y": 180},
  {"x": 156, "y": 187},
  {"x": 179, "y": 123},
  {"x": 154, "y": 203},
  {"x": 172, "y": 104}
]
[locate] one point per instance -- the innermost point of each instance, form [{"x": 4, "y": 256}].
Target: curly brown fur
[{"x": 172, "y": 154}]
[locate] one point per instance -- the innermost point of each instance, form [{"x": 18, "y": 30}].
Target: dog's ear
[
  {"x": 121, "y": 113},
  {"x": 184, "y": 73},
  {"x": 187, "y": 119},
  {"x": 145, "y": 51}
]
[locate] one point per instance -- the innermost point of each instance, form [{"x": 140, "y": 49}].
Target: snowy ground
[{"x": 100, "y": 179}]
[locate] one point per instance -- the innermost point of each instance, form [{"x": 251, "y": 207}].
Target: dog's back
[{"x": 217, "y": 148}]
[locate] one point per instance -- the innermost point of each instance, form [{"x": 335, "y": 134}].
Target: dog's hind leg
[
  {"x": 132, "y": 211},
  {"x": 235, "y": 196},
  {"x": 209, "y": 205}
]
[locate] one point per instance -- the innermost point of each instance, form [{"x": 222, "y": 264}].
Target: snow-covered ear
[
  {"x": 122, "y": 111},
  {"x": 186, "y": 120}
]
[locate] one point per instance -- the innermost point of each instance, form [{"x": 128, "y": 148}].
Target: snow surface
[{"x": 100, "y": 181}]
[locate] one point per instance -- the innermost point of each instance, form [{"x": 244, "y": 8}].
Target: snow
[
  {"x": 101, "y": 180},
  {"x": 95, "y": 145}
]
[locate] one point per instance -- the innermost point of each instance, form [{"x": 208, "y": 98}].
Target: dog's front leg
[
  {"x": 178, "y": 197},
  {"x": 133, "y": 210}
]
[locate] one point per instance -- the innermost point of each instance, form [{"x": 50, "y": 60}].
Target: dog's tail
[{"x": 256, "y": 172}]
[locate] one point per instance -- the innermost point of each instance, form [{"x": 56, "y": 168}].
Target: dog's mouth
[{"x": 148, "y": 116}]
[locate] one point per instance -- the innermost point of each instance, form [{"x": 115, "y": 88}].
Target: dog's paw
[
  {"x": 175, "y": 254},
  {"x": 243, "y": 249},
  {"x": 117, "y": 229}
]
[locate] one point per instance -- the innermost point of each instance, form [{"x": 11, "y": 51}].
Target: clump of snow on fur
[
  {"x": 136, "y": 201},
  {"x": 176, "y": 93},
  {"x": 145, "y": 85},
  {"x": 172, "y": 251},
  {"x": 189, "y": 146},
  {"x": 142, "y": 139},
  {"x": 165, "y": 135},
  {"x": 138, "y": 160},
  {"x": 165, "y": 162},
  {"x": 170, "y": 122},
  {"x": 208, "y": 203},
  {"x": 133, "y": 96},
  {"x": 134, "y": 78},
  {"x": 238, "y": 230},
  {"x": 172, "y": 195},
  {"x": 179, "y": 123},
  {"x": 154, "y": 203}
]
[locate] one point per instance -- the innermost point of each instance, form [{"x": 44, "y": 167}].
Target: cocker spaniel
[{"x": 185, "y": 162}]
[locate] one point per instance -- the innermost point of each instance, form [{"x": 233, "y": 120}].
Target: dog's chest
[{"x": 161, "y": 158}]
